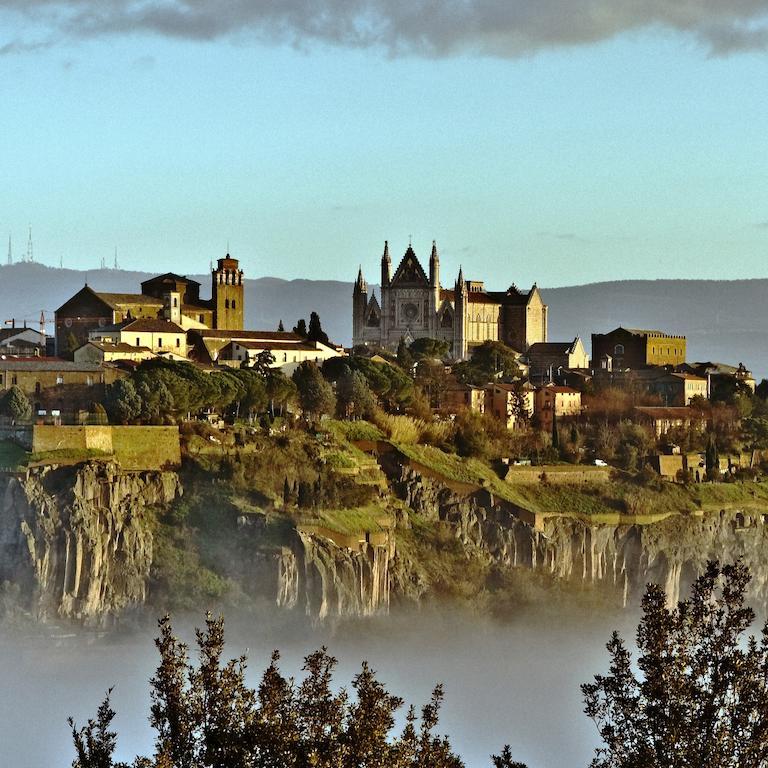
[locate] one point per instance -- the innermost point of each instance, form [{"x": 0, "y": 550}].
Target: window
[
  {"x": 618, "y": 349},
  {"x": 14, "y": 379},
  {"x": 138, "y": 341},
  {"x": 226, "y": 303},
  {"x": 59, "y": 378},
  {"x": 285, "y": 357},
  {"x": 37, "y": 387},
  {"x": 175, "y": 302},
  {"x": 233, "y": 303},
  {"x": 89, "y": 381},
  {"x": 200, "y": 318},
  {"x": 178, "y": 342},
  {"x": 159, "y": 341}
]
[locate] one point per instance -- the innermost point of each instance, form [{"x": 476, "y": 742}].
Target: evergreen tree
[
  {"x": 698, "y": 693},
  {"x": 123, "y": 402},
  {"x": 404, "y": 356},
  {"x": 316, "y": 332},
  {"x": 712, "y": 458},
  {"x": 300, "y": 329},
  {"x": 280, "y": 326},
  {"x": 555, "y": 433},
  {"x": 316, "y": 396},
  {"x": 16, "y": 405}
]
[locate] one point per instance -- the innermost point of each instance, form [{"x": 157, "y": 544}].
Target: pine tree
[
  {"x": 300, "y": 329},
  {"x": 280, "y": 326},
  {"x": 315, "y": 332}
]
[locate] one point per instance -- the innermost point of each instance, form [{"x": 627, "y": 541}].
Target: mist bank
[{"x": 513, "y": 682}]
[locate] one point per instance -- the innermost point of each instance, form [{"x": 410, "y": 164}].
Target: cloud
[{"x": 504, "y": 28}]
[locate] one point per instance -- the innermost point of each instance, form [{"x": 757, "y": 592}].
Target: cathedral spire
[
  {"x": 386, "y": 265},
  {"x": 434, "y": 266},
  {"x": 360, "y": 285}
]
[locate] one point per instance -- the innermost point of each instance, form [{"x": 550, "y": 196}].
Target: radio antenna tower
[
  {"x": 10, "y": 252},
  {"x": 115, "y": 263},
  {"x": 30, "y": 252}
]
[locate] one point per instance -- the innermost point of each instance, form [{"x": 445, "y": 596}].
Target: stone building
[
  {"x": 414, "y": 305},
  {"x": 635, "y": 348},
  {"x": 168, "y": 297},
  {"x": 547, "y": 358}
]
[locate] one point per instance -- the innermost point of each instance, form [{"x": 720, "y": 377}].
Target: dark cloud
[{"x": 504, "y": 28}]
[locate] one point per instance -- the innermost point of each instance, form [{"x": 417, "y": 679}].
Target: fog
[{"x": 515, "y": 682}]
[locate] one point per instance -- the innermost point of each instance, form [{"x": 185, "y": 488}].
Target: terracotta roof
[
  {"x": 170, "y": 277},
  {"x": 115, "y": 299},
  {"x": 119, "y": 346},
  {"x": 208, "y": 333},
  {"x": 551, "y": 347},
  {"x": 281, "y": 345},
  {"x": 152, "y": 325},
  {"x": 559, "y": 389}
]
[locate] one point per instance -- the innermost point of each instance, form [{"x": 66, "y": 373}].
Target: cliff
[{"x": 77, "y": 540}]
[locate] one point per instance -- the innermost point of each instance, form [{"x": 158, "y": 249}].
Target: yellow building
[
  {"x": 159, "y": 336},
  {"x": 564, "y": 402},
  {"x": 109, "y": 351},
  {"x": 510, "y": 403}
]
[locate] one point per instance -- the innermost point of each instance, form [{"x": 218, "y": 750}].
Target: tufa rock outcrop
[{"x": 76, "y": 540}]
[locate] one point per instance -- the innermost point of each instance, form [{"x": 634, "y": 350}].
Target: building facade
[
  {"x": 634, "y": 348},
  {"x": 547, "y": 358},
  {"x": 414, "y": 305}
]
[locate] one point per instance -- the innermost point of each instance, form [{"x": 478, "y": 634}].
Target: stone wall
[{"x": 135, "y": 448}]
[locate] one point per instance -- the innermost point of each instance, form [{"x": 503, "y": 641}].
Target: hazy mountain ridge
[{"x": 724, "y": 320}]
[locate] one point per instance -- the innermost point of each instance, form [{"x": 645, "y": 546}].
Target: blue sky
[{"x": 640, "y": 154}]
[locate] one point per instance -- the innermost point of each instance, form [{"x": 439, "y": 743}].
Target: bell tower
[{"x": 227, "y": 294}]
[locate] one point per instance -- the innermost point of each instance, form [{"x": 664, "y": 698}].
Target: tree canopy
[
  {"x": 205, "y": 716},
  {"x": 698, "y": 693}
]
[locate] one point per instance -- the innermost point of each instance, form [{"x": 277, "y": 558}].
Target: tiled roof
[
  {"x": 119, "y": 346},
  {"x": 302, "y": 345},
  {"x": 550, "y": 347},
  {"x": 115, "y": 299},
  {"x": 151, "y": 325},
  {"x": 208, "y": 333}
]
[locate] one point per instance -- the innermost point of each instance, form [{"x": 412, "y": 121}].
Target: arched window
[
  {"x": 618, "y": 349},
  {"x": 226, "y": 303},
  {"x": 233, "y": 303}
]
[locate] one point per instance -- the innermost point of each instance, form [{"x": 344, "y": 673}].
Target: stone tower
[
  {"x": 228, "y": 294},
  {"x": 359, "y": 306}
]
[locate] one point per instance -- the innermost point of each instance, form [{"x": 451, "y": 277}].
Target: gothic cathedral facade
[{"x": 414, "y": 305}]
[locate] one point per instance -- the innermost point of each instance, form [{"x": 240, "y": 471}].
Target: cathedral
[{"x": 414, "y": 305}]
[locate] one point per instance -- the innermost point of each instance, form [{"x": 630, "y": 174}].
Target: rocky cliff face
[
  {"x": 325, "y": 579},
  {"x": 621, "y": 558},
  {"x": 76, "y": 541}
]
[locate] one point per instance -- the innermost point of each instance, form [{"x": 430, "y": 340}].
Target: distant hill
[{"x": 724, "y": 320}]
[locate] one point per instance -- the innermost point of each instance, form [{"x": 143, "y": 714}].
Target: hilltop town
[{"x": 453, "y": 357}]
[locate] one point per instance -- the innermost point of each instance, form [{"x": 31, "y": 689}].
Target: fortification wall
[{"x": 136, "y": 448}]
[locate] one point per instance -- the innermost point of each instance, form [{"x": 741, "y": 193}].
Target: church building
[
  {"x": 169, "y": 297},
  {"x": 414, "y": 304}
]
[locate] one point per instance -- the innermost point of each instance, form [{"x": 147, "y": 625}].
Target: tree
[
  {"x": 300, "y": 329},
  {"x": 280, "y": 326},
  {"x": 712, "y": 458},
  {"x": 700, "y": 696},
  {"x": 353, "y": 395},
  {"x": 123, "y": 403},
  {"x": 205, "y": 716},
  {"x": 404, "y": 356},
  {"x": 316, "y": 396},
  {"x": 16, "y": 404},
  {"x": 489, "y": 361},
  {"x": 471, "y": 436},
  {"x": 316, "y": 332},
  {"x": 426, "y": 348}
]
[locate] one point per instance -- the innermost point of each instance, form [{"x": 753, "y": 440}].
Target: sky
[{"x": 562, "y": 142}]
